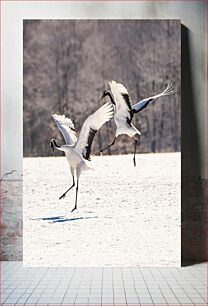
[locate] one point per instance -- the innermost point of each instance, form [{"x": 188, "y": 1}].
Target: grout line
[
  {"x": 135, "y": 286},
  {"x": 123, "y": 284},
  {"x": 102, "y": 287},
  {"x": 69, "y": 285},
  {"x": 156, "y": 274},
  {"x": 146, "y": 285}
]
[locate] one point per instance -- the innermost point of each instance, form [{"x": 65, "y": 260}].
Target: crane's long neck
[
  {"x": 54, "y": 144},
  {"x": 108, "y": 93}
]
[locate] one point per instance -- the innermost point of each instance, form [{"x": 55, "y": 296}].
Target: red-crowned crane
[
  {"x": 78, "y": 151},
  {"x": 124, "y": 112}
]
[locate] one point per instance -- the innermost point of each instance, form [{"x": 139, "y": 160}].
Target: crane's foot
[
  {"x": 134, "y": 160},
  {"x": 74, "y": 209},
  {"x": 63, "y": 196}
]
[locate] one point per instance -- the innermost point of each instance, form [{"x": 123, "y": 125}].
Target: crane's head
[
  {"x": 106, "y": 93},
  {"x": 52, "y": 145}
]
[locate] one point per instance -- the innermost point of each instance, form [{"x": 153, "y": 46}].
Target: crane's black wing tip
[{"x": 90, "y": 138}]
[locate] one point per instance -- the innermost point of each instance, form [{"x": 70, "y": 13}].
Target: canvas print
[{"x": 102, "y": 139}]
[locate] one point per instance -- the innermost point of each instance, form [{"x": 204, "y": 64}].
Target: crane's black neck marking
[
  {"x": 56, "y": 145},
  {"x": 108, "y": 93},
  {"x": 127, "y": 100},
  {"x": 52, "y": 145}
]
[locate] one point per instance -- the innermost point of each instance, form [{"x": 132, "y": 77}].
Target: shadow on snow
[{"x": 63, "y": 219}]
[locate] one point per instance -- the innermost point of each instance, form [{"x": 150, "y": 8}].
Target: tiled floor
[{"x": 103, "y": 286}]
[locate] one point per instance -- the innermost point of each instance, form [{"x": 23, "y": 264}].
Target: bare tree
[{"x": 68, "y": 63}]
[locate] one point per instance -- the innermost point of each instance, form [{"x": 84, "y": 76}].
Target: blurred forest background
[{"x": 67, "y": 66}]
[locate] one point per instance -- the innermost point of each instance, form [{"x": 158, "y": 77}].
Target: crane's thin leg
[
  {"x": 109, "y": 145},
  {"x": 77, "y": 188},
  {"x": 135, "y": 145},
  {"x": 73, "y": 184},
  {"x": 64, "y": 194}
]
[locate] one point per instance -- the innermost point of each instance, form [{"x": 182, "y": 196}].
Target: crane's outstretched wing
[
  {"x": 66, "y": 126},
  {"x": 143, "y": 103},
  {"x": 91, "y": 125},
  {"x": 123, "y": 111}
]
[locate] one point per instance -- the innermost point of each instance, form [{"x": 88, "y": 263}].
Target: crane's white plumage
[
  {"x": 91, "y": 125},
  {"x": 66, "y": 126},
  {"x": 121, "y": 98},
  {"x": 78, "y": 151},
  {"x": 124, "y": 111}
]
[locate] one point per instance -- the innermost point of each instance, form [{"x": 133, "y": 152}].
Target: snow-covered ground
[{"x": 126, "y": 216}]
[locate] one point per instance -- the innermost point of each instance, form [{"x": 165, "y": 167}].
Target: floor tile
[{"x": 186, "y": 285}]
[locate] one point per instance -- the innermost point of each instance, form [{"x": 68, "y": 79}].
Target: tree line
[{"x": 67, "y": 65}]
